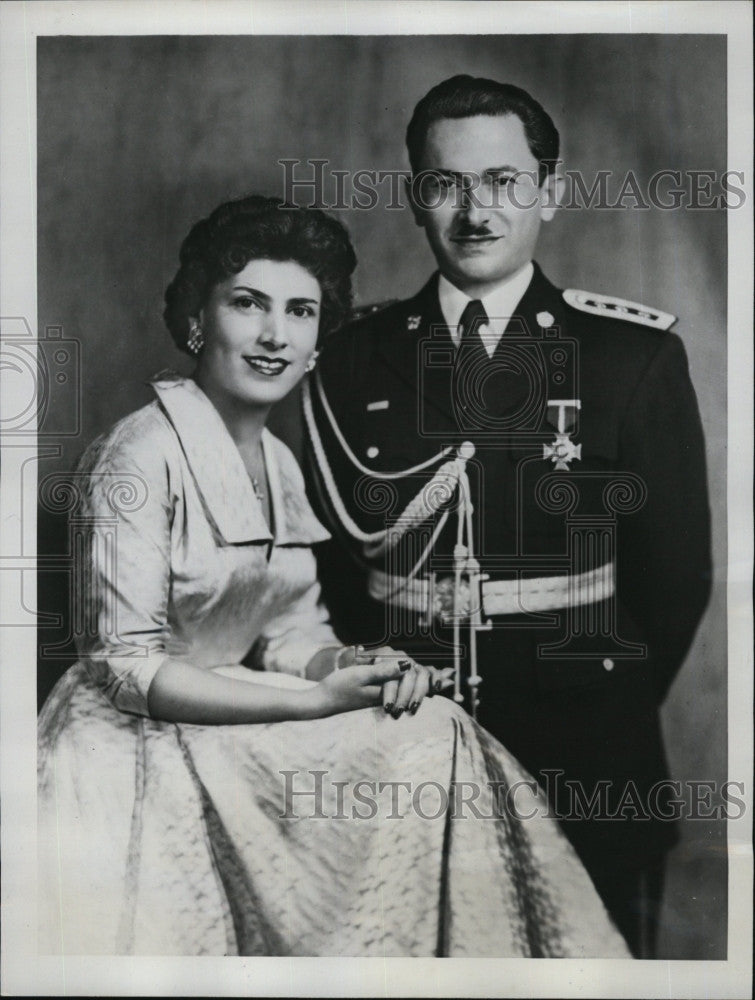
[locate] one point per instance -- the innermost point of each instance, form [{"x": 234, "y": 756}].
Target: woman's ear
[{"x": 195, "y": 339}]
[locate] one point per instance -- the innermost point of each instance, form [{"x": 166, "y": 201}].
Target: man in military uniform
[{"x": 515, "y": 480}]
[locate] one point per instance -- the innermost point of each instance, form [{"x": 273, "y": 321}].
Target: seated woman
[{"x": 192, "y": 805}]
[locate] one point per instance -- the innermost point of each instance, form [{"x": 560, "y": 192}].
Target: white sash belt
[{"x": 499, "y": 597}]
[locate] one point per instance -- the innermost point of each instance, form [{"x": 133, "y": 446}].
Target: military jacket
[{"x": 589, "y": 518}]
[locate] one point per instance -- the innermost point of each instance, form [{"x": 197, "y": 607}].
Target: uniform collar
[
  {"x": 500, "y": 304},
  {"x": 413, "y": 321},
  {"x": 222, "y": 479},
  {"x": 541, "y": 307},
  {"x": 418, "y": 322},
  {"x": 422, "y": 321}
]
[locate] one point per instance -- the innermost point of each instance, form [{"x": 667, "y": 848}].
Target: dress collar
[{"x": 221, "y": 477}]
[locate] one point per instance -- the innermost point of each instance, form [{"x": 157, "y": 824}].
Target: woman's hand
[
  {"x": 417, "y": 682},
  {"x": 358, "y": 686},
  {"x": 403, "y": 690}
]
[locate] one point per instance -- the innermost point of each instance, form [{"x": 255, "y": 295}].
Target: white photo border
[{"x": 23, "y": 972}]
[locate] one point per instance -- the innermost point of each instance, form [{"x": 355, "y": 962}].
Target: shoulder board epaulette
[
  {"x": 359, "y": 312},
  {"x": 608, "y": 305}
]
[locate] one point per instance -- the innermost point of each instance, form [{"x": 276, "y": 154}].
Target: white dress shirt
[{"x": 500, "y": 305}]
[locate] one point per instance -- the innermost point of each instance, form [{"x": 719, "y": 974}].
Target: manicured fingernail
[
  {"x": 388, "y": 707},
  {"x": 404, "y": 664},
  {"x": 413, "y": 707},
  {"x": 396, "y": 712}
]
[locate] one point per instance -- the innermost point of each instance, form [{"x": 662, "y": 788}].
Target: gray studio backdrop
[{"x": 138, "y": 137}]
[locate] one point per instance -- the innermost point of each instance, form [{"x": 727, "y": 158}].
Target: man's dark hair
[
  {"x": 256, "y": 228},
  {"x": 466, "y": 97}
]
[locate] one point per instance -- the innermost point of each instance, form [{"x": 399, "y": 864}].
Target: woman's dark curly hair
[{"x": 255, "y": 228}]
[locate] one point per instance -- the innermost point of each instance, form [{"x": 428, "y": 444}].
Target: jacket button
[
  {"x": 373, "y": 452},
  {"x": 608, "y": 664}
]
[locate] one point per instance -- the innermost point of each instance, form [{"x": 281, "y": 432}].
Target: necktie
[
  {"x": 473, "y": 317},
  {"x": 469, "y": 367}
]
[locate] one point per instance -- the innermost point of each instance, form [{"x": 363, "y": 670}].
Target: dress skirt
[{"x": 353, "y": 835}]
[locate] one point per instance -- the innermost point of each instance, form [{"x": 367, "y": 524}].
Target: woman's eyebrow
[
  {"x": 252, "y": 291},
  {"x": 303, "y": 301}
]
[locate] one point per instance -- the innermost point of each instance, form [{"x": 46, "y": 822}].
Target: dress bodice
[{"x": 182, "y": 562}]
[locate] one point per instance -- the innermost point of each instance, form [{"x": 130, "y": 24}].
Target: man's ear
[
  {"x": 416, "y": 209},
  {"x": 551, "y": 193}
]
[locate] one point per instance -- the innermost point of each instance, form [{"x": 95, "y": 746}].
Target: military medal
[{"x": 563, "y": 450}]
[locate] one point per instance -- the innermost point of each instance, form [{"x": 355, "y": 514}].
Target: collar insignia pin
[
  {"x": 545, "y": 319},
  {"x": 563, "y": 450},
  {"x": 413, "y": 322}
]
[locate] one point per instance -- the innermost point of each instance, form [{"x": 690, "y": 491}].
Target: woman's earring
[
  {"x": 312, "y": 362},
  {"x": 195, "y": 340}
]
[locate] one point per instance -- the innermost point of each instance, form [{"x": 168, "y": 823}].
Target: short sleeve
[{"x": 125, "y": 549}]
